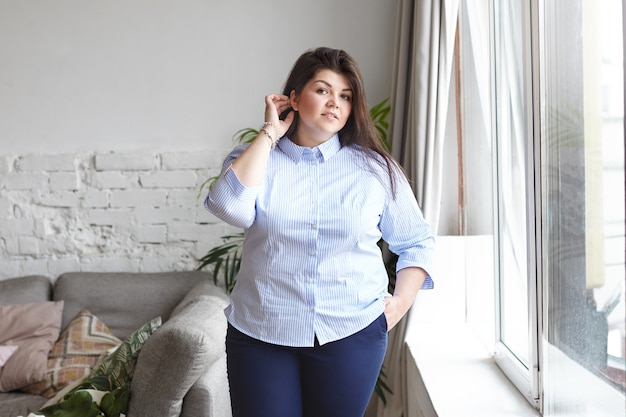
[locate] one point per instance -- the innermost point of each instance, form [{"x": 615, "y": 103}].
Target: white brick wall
[{"x": 104, "y": 212}]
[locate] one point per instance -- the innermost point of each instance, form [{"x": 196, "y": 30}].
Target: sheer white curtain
[{"x": 424, "y": 57}]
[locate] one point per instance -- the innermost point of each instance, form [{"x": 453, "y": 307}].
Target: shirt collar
[{"x": 324, "y": 151}]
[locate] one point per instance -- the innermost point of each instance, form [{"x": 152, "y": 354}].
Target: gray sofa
[{"x": 181, "y": 369}]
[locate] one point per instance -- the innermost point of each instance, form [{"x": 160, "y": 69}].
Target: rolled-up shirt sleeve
[
  {"x": 407, "y": 233},
  {"x": 230, "y": 200}
]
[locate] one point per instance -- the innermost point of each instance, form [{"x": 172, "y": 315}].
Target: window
[{"x": 550, "y": 113}]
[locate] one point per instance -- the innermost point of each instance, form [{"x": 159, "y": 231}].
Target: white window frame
[{"x": 526, "y": 379}]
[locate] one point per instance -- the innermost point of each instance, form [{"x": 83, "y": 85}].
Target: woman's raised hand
[{"x": 275, "y": 105}]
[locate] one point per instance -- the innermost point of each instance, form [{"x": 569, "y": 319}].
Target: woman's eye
[
  {"x": 347, "y": 97},
  {"x": 322, "y": 91}
]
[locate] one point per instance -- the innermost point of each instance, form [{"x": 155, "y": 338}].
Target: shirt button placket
[{"x": 313, "y": 231}]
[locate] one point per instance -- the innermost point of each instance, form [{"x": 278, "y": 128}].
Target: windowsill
[{"x": 459, "y": 377}]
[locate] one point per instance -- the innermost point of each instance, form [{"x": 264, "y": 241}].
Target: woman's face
[{"x": 324, "y": 106}]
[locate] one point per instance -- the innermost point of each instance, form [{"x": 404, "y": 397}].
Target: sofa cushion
[
  {"x": 75, "y": 354},
  {"x": 33, "y": 328},
  {"x": 23, "y": 290},
  {"x": 179, "y": 353},
  {"x": 124, "y": 301},
  {"x": 17, "y": 403}
]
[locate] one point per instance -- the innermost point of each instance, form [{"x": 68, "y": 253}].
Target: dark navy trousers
[{"x": 333, "y": 380}]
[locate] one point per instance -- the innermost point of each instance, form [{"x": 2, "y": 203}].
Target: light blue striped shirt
[{"x": 311, "y": 265}]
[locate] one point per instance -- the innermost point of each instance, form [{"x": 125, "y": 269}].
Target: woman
[{"x": 315, "y": 192}]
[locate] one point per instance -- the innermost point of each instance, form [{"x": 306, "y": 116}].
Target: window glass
[
  {"x": 475, "y": 161},
  {"x": 583, "y": 208},
  {"x": 511, "y": 143}
]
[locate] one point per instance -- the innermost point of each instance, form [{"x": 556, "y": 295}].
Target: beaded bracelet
[
  {"x": 269, "y": 137},
  {"x": 268, "y": 134}
]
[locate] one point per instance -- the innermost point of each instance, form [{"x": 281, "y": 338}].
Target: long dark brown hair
[{"x": 359, "y": 129}]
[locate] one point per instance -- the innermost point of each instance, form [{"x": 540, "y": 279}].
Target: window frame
[{"x": 526, "y": 379}]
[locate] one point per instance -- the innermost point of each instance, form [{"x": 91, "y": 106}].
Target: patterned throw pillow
[
  {"x": 109, "y": 384},
  {"x": 75, "y": 354}
]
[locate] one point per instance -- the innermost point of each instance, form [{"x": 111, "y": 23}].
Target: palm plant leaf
[
  {"x": 246, "y": 135},
  {"x": 381, "y": 386},
  {"x": 379, "y": 114},
  {"x": 225, "y": 258}
]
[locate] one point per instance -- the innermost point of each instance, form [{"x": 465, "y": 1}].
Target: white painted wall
[
  {"x": 165, "y": 74},
  {"x": 113, "y": 113}
]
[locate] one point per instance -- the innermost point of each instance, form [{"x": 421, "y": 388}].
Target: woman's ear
[{"x": 293, "y": 100}]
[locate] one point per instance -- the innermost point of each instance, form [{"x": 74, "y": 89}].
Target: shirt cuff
[{"x": 428, "y": 283}]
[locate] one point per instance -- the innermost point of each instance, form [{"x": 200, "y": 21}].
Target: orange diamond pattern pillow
[{"x": 75, "y": 354}]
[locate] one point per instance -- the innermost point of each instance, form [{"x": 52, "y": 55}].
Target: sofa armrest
[
  {"x": 176, "y": 355},
  {"x": 209, "y": 395}
]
